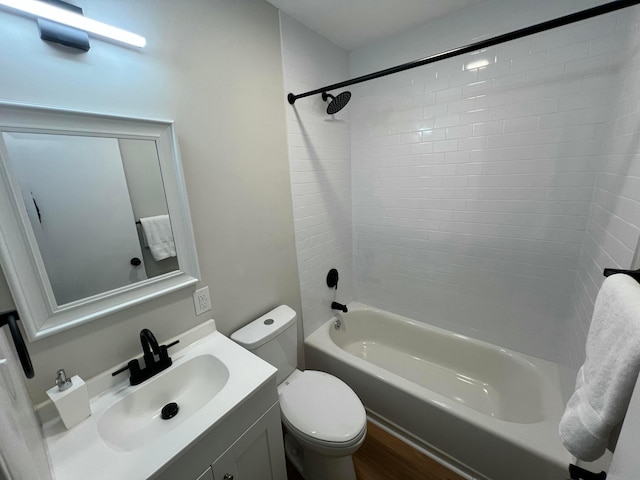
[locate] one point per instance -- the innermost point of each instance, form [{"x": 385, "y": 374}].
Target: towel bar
[
  {"x": 11, "y": 319},
  {"x": 578, "y": 473},
  {"x": 635, "y": 274}
]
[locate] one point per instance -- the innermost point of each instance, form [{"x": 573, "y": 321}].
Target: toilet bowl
[{"x": 324, "y": 420}]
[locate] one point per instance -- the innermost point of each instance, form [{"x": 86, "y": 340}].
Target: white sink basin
[
  {"x": 125, "y": 437},
  {"x": 135, "y": 420}
]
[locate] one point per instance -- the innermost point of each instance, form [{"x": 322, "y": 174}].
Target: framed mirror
[{"x": 94, "y": 216}]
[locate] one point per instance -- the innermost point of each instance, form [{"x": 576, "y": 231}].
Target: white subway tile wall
[
  {"x": 473, "y": 177},
  {"x": 320, "y": 160},
  {"x": 486, "y": 193},
  {"x": 614, "y": 221}
]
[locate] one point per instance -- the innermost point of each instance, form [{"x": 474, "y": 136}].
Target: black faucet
[
  {"x": 150, "y": 349},
  {"x": 150, "y": 346},
  {"x": 339, "y": 306}
]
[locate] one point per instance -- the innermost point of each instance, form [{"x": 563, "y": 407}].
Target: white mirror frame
[{"x": 21, "y": 260}]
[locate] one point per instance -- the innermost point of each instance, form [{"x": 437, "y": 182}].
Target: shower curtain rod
[{"x": 523, "y": 32}]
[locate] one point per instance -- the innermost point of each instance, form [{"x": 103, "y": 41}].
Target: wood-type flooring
[{"x": 384, "y": 457}]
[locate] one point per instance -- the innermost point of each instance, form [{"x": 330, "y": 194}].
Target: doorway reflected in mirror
[{"x": 84, "y": 197}]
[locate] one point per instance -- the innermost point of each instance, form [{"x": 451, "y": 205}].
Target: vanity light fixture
[{"x": 65, "y": 17}]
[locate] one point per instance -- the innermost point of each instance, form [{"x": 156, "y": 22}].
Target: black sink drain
[{"x": 170, "y": 410}]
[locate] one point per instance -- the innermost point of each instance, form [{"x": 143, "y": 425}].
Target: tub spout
[{"x": 339, "y": 306}]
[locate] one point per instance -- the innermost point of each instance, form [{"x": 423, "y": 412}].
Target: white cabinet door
[
  {"x": 224, "y": 468},
  {"x": 208, "y": 475},
  {"x": 257, "y": 455}
]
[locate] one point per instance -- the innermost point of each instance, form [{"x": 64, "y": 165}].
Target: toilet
[{"x": 324, "y": 420}]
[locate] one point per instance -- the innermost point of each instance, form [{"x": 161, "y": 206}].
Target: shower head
[{"x": 337, "y": 103}]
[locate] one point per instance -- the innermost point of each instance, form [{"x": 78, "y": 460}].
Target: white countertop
[{"x": 81, "y": 453}]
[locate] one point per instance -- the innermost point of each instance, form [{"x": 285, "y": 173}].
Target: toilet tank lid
[{"x": 265, "y": 328}]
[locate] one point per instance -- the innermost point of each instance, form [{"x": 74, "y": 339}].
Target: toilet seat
[
  {"x": 321, "y": 409},
  {"x": 337, "y": 449}
]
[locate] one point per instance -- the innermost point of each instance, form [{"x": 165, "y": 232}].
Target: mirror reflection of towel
[{"x": 157, "y": 231}]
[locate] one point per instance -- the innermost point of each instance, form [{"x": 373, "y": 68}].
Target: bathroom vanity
[
  {"x": 250, "y": 456},
  {"x": 227, "y": 428}
]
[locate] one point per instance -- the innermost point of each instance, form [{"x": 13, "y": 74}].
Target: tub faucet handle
[
  {"x": 578, "y": 473},
  {"x": 332, "y": 278}
]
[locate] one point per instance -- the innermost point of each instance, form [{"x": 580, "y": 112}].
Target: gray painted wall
[{"x": 215, "y": 68}]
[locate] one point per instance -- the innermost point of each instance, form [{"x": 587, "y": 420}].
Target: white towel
[
  {"x": 157, "y": 231},
  {"x": 607, "y": 377}
]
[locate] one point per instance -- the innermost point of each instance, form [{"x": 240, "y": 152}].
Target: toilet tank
[{"x": 274, "y": 338}]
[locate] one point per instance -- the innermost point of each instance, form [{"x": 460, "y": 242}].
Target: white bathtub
[{"x": 491, "y": 411}]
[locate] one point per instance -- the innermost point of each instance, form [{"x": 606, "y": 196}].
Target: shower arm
[{"x": 523, "y": 32}]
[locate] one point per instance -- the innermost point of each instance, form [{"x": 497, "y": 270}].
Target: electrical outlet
[{"x": 202, "y": 300}]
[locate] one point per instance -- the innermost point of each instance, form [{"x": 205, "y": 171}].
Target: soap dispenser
[{"x": 71, "y": 398}]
